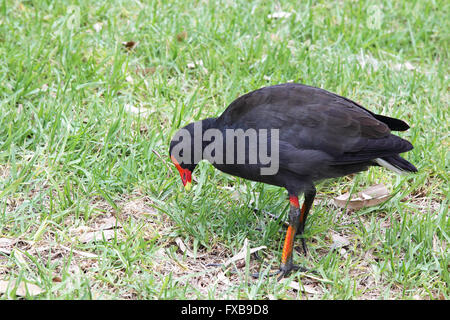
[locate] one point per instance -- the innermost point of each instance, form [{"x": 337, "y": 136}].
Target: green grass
[{"x": 72, "y": 153}]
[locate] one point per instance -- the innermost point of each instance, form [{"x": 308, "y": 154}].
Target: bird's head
[
  {"x": 185, "y": 172},
  {"x": 183, "y": 154},
  {"x": 186, "y": 148}
]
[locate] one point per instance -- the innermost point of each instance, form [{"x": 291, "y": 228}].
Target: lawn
[{"x": 91, "y": 93}]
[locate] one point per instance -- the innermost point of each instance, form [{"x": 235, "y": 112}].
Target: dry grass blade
[{"x": 81, "y": 253}]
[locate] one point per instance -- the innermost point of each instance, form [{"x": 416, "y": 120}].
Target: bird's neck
[
  {"x": 208, "y": 123},
  {"x": 197, "y": 131}
]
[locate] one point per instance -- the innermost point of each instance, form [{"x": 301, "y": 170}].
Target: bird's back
[{"x": 316, "y": 127}]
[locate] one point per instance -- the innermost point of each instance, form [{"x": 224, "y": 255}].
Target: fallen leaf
[
  {"x": 339, "y": 241},
  {"x": 407, "y": 65},
  {"x": 24, "y": 288},
  {"x": 20, "y": 258},
  {"x": 145, "y": 71},
  {"x": 138, "y": 207},
  {"x": 98, "y": 26},
  {"x": 199, "y": 63},
  {"x": 80, "y": 230},
  {"x": 304, "y": 288},
  {"x": 129, "y": 45},
  {"x": 370, "y": 197},
  {"x": 6, "y": 245},
  {"x": 81, "y": 253},
  {"x": 184, "y": 249},
  {"x": 97, "y": 236},
  {"x": 132, "y": 109},
  {"x": 5, "y": 242},
  {"x": 108, "y": 223},
  {"x": 129, "y": 79},
  {"x": 279, "y": 15},
  {"x": 243, "y": 253},
  {"x": 182, "y": 36},
  {"x": 221, "y": 277},
  {"x": 19, "y": 108}
]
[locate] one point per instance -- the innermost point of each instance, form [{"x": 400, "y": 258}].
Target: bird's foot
[{"x": 286, "y": 269}]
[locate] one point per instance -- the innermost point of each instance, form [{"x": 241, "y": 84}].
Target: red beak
[{"x": 186, "y": 175}]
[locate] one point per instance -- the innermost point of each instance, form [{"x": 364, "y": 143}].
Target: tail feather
[{"x": 396, "y": 164}]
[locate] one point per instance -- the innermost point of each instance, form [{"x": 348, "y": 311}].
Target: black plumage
[{"x": 321, "y": 135}]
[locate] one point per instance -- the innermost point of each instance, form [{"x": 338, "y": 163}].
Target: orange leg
[
  {"x": 294, "y": 222},
  {"x": 297, "y": 219},
  {"x": 286, "y": 256}
]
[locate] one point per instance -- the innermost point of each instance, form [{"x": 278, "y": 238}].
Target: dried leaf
[
  {"x": 20, "y": 258},
  {"x": 279, "y": 15},
  {"x": 98, "y": 26},
  {"x": 6, "y": 244},
  {"x": 6, "y": 286},
  {"x": 108, "y": 223},
  {"x": 19, "y": 108},
  {"x": 370, "y": 197},
  {"x": 304, "y": 288},
  {"x": 339, "y": 241},
  {"x": 407, "y": 65},
  {"x": 129, "y": 45},
  {"x": 80, "y": 230},
  {"x": 145, "y": 71},
  {"x": 243, "y": 253},
  {"x": 182, "y": 36},
  {"x": 129, "y": 79},
  {"x": 184, "y": 249},
  {"x": 97, "y": 236},
  {"x": 199, "y": 63},
  {"x": 223, "y": 278},
  {"x": 132, "y": 109},
  {"x": 138, "y": 207}
]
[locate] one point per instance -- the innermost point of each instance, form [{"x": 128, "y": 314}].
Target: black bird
[{"x": 319, "y": 135}]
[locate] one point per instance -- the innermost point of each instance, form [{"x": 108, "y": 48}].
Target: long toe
[
  {"x": 284, "y": 271},
  {"x": 305, "y": 248}
]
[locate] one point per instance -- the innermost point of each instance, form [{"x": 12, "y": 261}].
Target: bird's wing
[
  {"x": 301, "y": 95},
  {"x": 313, "y": 119}
]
